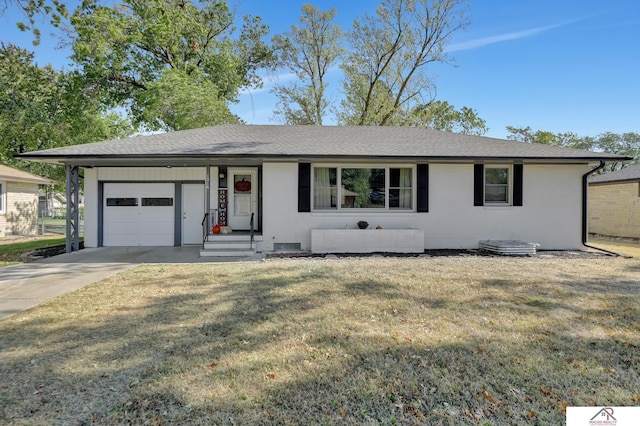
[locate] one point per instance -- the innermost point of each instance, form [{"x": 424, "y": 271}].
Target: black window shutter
[
  {"x": 423, "y": 188},
  {"x": 478, "y": 184},
  {"x": 517, "y": 184},
  {"x": 304, "y": 187}
]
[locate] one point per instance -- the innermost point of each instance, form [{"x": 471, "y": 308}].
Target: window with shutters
[{"x": 374, "y": 188}]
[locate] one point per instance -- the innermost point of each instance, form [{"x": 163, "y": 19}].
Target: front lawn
[
  {"x": 12, "y": 252},
  {"x": 441, "y": 340}
]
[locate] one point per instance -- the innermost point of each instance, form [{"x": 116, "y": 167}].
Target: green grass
[
  {"x": 11, "y": 253},
  {"x": 442, "y": 340}
]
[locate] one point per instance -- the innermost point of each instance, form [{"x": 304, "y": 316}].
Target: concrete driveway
[{"x": 29, "y": 284}]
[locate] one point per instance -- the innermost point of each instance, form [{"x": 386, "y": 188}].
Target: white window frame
[
  {"x": 3, "y": 197},
  {"x": 387, "y": 177},
  {"x": 509, "y": 200}
]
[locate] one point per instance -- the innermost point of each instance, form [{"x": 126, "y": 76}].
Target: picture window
[{"x": 347, "y": 188}]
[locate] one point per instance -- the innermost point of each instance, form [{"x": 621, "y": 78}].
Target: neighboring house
[
  {"x": 306, "y": 187},
  {"x": 19, "y": 201},
  {"x": 53, "y": 203},
  {"x": 614, "y": 203}
]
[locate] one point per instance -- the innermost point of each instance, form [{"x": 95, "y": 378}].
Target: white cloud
[
  {"x": 485, "y": 41},
  {"x": 268, "y": 81}
]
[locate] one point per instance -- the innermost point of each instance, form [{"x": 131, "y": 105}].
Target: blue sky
[{"x": 561, "y": 65}]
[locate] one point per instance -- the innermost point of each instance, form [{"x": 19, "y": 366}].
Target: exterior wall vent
[{"x": 287, "y": 246}]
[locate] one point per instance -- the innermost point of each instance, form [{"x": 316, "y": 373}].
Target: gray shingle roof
[
  {"x": 313, "y": 141},
  {"x": 628, "y": 173}
]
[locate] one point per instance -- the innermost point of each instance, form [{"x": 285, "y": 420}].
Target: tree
[
  {"x": 148, "y": 56},
  {"x": 385, "y": 76},
  {"x": 627, "y": 144},
  {"x": 562, "y": 140},
  {"x": 41, "y": 108},
  {"x": 309, "y": 51},
  {"x": 55, "y": 9},
  {"x": 179, "y": 101},
  {"x": 441, "y": 115}
]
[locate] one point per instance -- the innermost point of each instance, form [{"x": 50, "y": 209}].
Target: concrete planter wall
[{"x": 367, "y": 240}]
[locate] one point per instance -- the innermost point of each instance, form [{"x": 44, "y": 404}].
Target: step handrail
[
  {"x": 251, "y": 231},
  {"x": 205, "y": 228}
]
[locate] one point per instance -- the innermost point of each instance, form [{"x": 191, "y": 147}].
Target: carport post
[{"x": 73, "y": 213}]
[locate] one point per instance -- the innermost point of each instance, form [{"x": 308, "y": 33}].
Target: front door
[
  {"x": 192, "y": 213},
  {"x": 243, "y": 198}
]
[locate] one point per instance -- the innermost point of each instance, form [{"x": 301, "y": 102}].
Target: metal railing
[
  {"x": 205, "y": 227},
  {"x": 251, "y": 231}
]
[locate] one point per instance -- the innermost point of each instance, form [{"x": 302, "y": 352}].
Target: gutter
[{"x": 585, "y": 215}]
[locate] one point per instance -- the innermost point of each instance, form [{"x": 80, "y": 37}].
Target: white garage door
[{"x": 138, "y": 214}]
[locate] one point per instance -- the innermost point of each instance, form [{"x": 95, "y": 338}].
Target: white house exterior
[{"x": 300, "y": 182}]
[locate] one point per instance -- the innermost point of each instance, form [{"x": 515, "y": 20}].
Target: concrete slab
[{"x": 29, "y": 284}]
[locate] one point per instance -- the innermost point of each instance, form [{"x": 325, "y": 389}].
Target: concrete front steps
[{"x": 230, "y": 245}]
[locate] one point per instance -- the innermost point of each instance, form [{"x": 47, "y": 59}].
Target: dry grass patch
[
  {"x": 456, "y": 340},
  {"x": 627, "y": 246}
]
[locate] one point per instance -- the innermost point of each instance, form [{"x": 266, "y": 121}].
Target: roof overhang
[
  {"x": 248, "y": 160},
  {"x": 256, "y": 144}
]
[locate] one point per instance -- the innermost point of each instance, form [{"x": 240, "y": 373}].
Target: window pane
[
  {"x": 496, "y": 188},
  {"x": 157, "y": 202},
  {"x": 122, "y": 202},
  {"x": 1, "y": 198},
  {"x": 400, "y": 188},
  {"x": 325, "y": 188},
  {"x": 400, "y": 198},
  {"x": 497, "y": 176},
  {"x": 394, "y": 178},
  {"x": 363, "y": 188},
  {"x": 496, "y": 194}
]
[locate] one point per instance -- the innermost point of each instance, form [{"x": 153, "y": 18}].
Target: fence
[{"x": 54, "y": 221}]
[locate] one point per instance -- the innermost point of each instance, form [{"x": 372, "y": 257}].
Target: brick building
[
  {"x": 19, "y": 201},
  {"x": 614, "y": 203}
]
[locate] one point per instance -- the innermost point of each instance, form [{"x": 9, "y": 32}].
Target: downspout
[{"x": 585, "y": 212}]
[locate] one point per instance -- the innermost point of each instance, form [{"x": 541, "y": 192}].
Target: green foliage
[
  {"x": 309, "y": 51},
  {"x": 385, "y": 69},
  {"x": 627, "y": 144},
  {"x": 441, "y": 115},
  {"x": 41, "y": 108},
  {"x": 54, "y": 9},
  {"x": 384, "y": 59},
  {"x": 178, "y": 101},
  {"x": 563, "y": 140},
  {"x": 624, "y": 144},
  {"x": 134, "y": 51}
]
